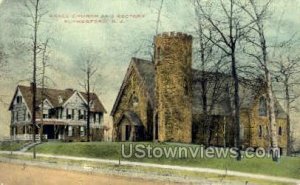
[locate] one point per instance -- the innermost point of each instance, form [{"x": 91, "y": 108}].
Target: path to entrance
[{"x": 27, "y": 147}]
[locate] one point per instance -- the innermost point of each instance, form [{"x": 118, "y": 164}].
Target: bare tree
[
  {"x": 43, "y": 82},
  {"x": 209, "y": 60},
  {"x": 36, "y": 11},
  {"x": 287, "y": 69},
  {"x": 257, "y": 14},
  {"x": 3, "y": 65},
  {"x": 89, "y": 58},
  {"x": 230, "y": 28}
]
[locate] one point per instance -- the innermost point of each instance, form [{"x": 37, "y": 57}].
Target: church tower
[{"x": 173, "y": 86}]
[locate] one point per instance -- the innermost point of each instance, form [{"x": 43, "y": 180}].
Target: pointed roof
[
  {"x": 249, "y": 89},
  {"x": 54, "y": 96},
  {"x": 145, "y": 72}
]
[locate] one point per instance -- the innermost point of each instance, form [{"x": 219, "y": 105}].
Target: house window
[
  {"x": 19, "y": 99},
  {"x": 82, "y": 133},
  {"x": 60, "y": 113},
  {"x": 70, "y": 131},
  {"x": 100, "y": 118},
  {"x": 73, "y": 113},
  {"x": 95, "y": 117},
  {"x": 45, "y": 116},
  {"x": 67, "y": 114},
  {"x": 17, "y": 116},
  {"x": 24, "y": 115},
  {"x": 262, "y": 106},
  {"x": 280, "y": 131},
  {"x": 84, "y": 115},
  {"x": 260, "y": 132},
  {"x": 80, "y": 116}
]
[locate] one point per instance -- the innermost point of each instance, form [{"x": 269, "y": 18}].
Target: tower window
[
  {"x": 158, "y": 53},
  {"x": 262, "y": 106},
  {"x": 280, "y": 131},
  {"x": 260, "y": 131}
]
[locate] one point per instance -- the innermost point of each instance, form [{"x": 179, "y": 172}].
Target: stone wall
[
  {"x": 173, "y": 89},
  {"x": 250, "y": 121},
  {"x": 264, "y": 140},
  {"x": 134, "y": 89}
]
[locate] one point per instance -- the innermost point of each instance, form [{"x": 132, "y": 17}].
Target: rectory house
[
  {"x": 163, "y": 100},
  {"x": 63, "y": 114}
]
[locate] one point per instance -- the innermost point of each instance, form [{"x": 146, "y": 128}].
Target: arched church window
[
  {"x": 134, "y": 100},
  {"x": 262, "y": 106}
]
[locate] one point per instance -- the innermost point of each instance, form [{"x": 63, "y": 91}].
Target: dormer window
[
  {"x": 19, "y": 99},
  {"x": 262, "y": 106},
  {"x": 60, "y": 100},
  {"x": 92, "y": 106}
]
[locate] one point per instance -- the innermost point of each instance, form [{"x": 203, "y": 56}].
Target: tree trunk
[
  {"x": 272, "y": 117},
  {"x": 288, "y": 121},
  {"x": 236, "y": 105},
  {"x": 34, "y": 74},
  {"x": 88, "y": 106}
]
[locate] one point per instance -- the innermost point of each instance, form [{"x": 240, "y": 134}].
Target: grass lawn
[
  {"x": 286, "y": 167},
  {"x": 11, "y": 145}
]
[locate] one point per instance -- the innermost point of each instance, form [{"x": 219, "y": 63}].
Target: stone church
[{"x": 162, "y": 100}]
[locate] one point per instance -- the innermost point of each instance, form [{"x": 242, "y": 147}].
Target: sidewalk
[{"x": 182, "y": 168}]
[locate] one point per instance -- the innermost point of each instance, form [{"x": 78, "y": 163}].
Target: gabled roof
[
  {"x": 132, "y": 117},
  {"x": 248, "y": 90},
  {"x": 145, "y": 72},
  {"x": 53, "y": 95},
  {"x": 98, "y": 106}
]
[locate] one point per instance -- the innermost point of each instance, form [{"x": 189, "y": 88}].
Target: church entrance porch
[{"x": 132, "y": 128}]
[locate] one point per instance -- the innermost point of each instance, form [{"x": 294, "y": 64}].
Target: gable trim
[
  {"x": 79, "y": 94},
  {"x": 46, "y": 100},
  {"x": 124, "y": 83},
  {"x": 24, "y": 100},
  {"x": 132, "y": 67}
]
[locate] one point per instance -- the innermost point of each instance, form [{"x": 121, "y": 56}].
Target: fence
[{"x": 27, "y": 137}]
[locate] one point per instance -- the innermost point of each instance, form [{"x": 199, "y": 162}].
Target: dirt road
[{"x": 12, "y": 174}]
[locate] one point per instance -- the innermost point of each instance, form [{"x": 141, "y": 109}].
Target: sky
[{"x": 115, "y": 42}]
